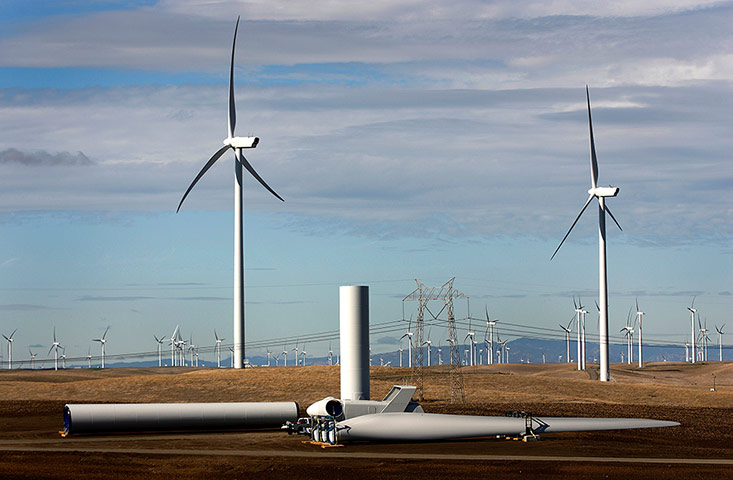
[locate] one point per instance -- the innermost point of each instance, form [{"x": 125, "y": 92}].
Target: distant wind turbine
[
  {"x": 218, "y": 349},
  {"x": 55, "y": 346},
  {"x": 692, "y": 310},
  {"x": 102, "y": 341},
  {"x": 160, "y": 341},
  {"x": 237, "y": 144},
  {"x": 470, "y": 337},
  {"x": 601, "y": 193},
  {"x": 720, "y": 340},
  {"x": 490, "y": 345},
  {"x": 285, "y": 354},
  {"x": 33, "y": 358},
  {"x": 10, "y": 348},
  {"x": 639, "y": 316},
  {"x": 409, "y": 343},
  {"x": 567, "y": 338},
  {"x": 173, "y": 340}
]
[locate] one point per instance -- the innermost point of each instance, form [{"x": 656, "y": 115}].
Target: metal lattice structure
[{"x": 423, "y": 295}]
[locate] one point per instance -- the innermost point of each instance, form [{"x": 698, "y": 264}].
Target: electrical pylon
[{"x": 424, "y": 294}]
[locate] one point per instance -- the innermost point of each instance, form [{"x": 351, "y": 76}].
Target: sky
[{"x": 411, "y": 140}]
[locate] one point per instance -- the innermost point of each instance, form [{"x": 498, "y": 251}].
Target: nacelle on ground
[{"x": 242, "y": 142}]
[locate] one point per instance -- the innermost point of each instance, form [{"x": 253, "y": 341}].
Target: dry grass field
[{"x": 702, "y": 447}]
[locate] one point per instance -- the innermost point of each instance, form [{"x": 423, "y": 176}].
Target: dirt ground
[{"x": 31, "y": 404}]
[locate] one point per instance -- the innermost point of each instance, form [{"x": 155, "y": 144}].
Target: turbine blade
[
  {"x": 608, "y": 210},
  {"x": 254, "y": 174},
  {"x": 105, "y": 333},
  {"x": 232, "y": 108},
  {"x": 11, "y": 335},
  {"x": 208, "y": 165},
  {"x": 593, "y": 160},
  {"x": 590, "y": 197}
]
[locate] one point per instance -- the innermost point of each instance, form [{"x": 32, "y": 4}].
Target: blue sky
[{"x": 409, "y": 139}]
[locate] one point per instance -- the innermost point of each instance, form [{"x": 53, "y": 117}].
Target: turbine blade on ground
[
  {"x": 593, "y": 160},
  {"x": 208, "y": 165},
  {"x": 232, "y": 108},
  {"x": 571, "y": 227},
  {"x": 259, "y": 179}
]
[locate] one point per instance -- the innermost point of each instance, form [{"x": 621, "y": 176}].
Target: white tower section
[{"x": 354, "y": 338}]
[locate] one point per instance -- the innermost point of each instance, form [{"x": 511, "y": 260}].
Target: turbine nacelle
[
  {"x": 241, "y": 142},
  {"x": 603, "y": 191}
]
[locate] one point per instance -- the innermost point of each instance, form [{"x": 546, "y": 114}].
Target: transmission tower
[{"x": 424, "y": 294}]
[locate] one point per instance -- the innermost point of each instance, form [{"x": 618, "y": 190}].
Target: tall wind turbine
[
  {"x": 720, "y": 340},
  {"x": 639, "y": 316},
  {"x": 237, "y": 144},
  {"x": 692, "y": 310},
  {"x": 102, "y": 341},
  {"x": 601, "y": 193},
  {"x": 10, "y": 348},
  {"x": 285, "y": 353}
]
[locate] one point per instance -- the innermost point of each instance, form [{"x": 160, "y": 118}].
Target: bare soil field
[{"x": 31, "y": 404}]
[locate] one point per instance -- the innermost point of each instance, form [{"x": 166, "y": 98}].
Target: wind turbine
[
  {"x": 10, "y": 348},
  {"x": 470, "y": 345},
  {"x": 296, "y": 353},
  {"x": 304, "y": 355},
  {"x": 330, "y": 354},
  {"x": 567, "y": 338},
  {"x": 703, "y": 337},
  {"x": 63, "y": 358},
  {"x": 218, "y": 349},
  {"x": 55, "y": 346},
  {"x": 285, "y": 353},
  {"x": 269, "y": 356},
  {"x": 102, "y": 341},
  {"x": 490, "y": 325},
  {"x": 601, "y": 193},
  {"x": 33, "y": 357},
  {"x": 639, "y": 316},
  {"x": 173, "y": 346},
  {"x": 578, "y": 312},
  {"x": 409, "y": 344},
  {"x": 160, "y": 349},
  {"x": 720, "y": 340},
  {"x": 237, "y": 144},
  {"x": 692, "y": 310},
  {"x": 429, "y": 344}
]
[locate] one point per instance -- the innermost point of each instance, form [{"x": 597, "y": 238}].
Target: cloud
[
  {"x": 388, "y": 341},
  {"x": 725, "y": 293},
  {"x": 9, "y": 261},
  {"x": 23, "y": 307},
  {"x": 43, "y": 159},
  {"x": 130, "y": 298}
]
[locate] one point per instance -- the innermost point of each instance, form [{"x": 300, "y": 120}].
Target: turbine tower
[
  {"x": 10, "y": 348},
  {"x": 601, "y": 193},
  {"x": 102, "y": 341},
  {"x": 174, "y": 345},
  {"x": 692, "y": 310},
  {"x": 237, "y": 144}
]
